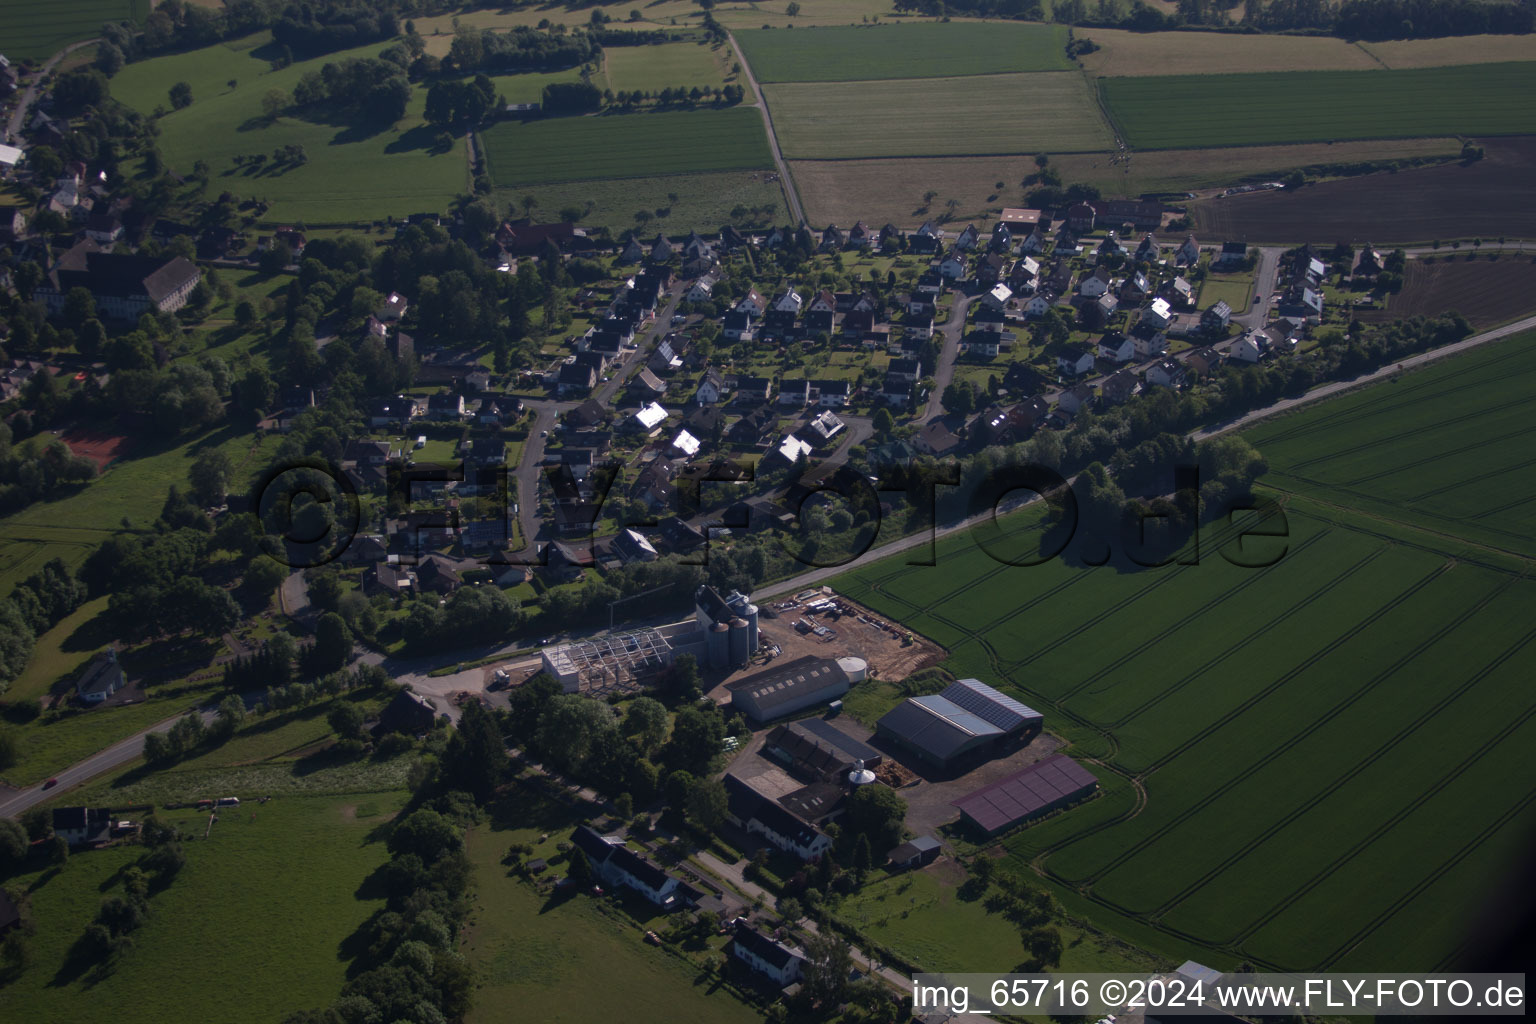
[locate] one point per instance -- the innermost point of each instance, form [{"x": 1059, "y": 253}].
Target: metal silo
[
  {"x": 719, "y": 649},
  {"x": 752, "y": 635},
  {"x": 740, "y": 649}
]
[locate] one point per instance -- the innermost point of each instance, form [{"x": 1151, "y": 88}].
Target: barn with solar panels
[
  {"x": 1039, "y": 789},
  {"x": 967, "y": 723}
]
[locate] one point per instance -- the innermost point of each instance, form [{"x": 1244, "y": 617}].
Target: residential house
[
  {"x": 393, "y": 309},
  {"x": 633, "y": 251},
  {"x": 575, "y": 379},
  {"x": 824, "y": 427},
  {"x": 937, "y": 440},
  {"x": 445, "y": 405},
  {"x": 1098, "y": 312},
  {"x": 647, "y": 419},
  {"x": 1117, "y": 347},
  {"x": 752, "y": 303},
  {"x": 435, "y": 574},
  {"x": 617, "y": 865},
  {"x": 1095, "y": 284},
  {"x": 711, "y": 388},
  {"x": 396, "y": 411},
  {"x": 860, "y": 237},
  {"x": 1188, "y": 252},
  {"x": 1146, "y": 251},
  {"x": 1231, "y": 257},
  {"x": 788, "y": 302},
  {"x": 366, "y": 453},
  {"x": 1180, "y": 293},
  {"x": 891, "y": 238},
  {"x": 1080, "y": 217},
  {"x": 1035, "y": 243},
  {"x": 1168, "y": 373},
  {"x": 918, "y": 326},
  {"x": 1250, "y": 347},
  {"x": 754, "y": 428},
  {"x": 661, "y": 250},
  {"x": 1369, "y": 264},
  {"x": 1077, "y": 360},
  {"x": 833, "y": 394},
  {"x": 1301, "y": 302},
  {"x": 737, "y": 325},
  {"x": 998, "y": 297},
  {"x": 1119, "y": 387},
  {"x": 777, "y": 325},
  {"x": 1135, "y": 289},
  {"x": 702, "y": 290},
  {"x": 833, "y": 239},
  {"x": 759, "y": 815},
  {"x": 1110, "y": 248},
  {"x": 104, "y": 228},
  {"x": 1203, "y": 361},
  {"x": 588, "y": 414},
  {"x": 926, "y": 239},
  {"x": 82, "y": 826},
  {"x": 1148, "y": 340},
  {"x": 631, "y": 546},
  {"x": 1002, "y": 238},
  {"x": 654, "y": 486},
  {"x": 753, "y": 389},
  {"x": 647, "y": 385},
  {"x": 895, "y": 390},
  {"x": 1074, "y": 398},
  {"x": 952, "y": 266},
  {"x": 677, "y": 535},
  {"x": 794, "y": 393},
  {"x": 1158, "y": 314},
  {"x": 782, "y": 963},
  {"x": 930, "y": 283},
  {"x": 1216, "y": 319},
  {"x": 1039, "y": 304},
  {"x": 989, "y": 318},
  {"x": 817, "y": 323}
]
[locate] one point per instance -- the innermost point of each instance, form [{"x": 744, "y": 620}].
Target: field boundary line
[{"x": 1365, "y": 762}]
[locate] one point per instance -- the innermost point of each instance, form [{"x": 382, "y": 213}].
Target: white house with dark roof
[{"x": 782, "y": 963}]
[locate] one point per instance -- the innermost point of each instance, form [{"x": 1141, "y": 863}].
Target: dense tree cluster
[
  {"x": 365, "y": 88},
  {"x": 520, "y": 49}
]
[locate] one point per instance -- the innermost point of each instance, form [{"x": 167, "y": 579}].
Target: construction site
[{"x": 619, "y": 663}]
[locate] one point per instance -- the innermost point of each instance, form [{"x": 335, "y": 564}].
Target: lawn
[
  {"x": 839, "y": 191},
  {"x": 59, "y": 653},
  {"x": 354, "y": 174},
  {"x": 937, "y": 116},
  {"x": 1236, "y": 289},
  {"x": 534, "y": 956},
  {"x": 668, "y": 65},
  {"x": 47, "y": 745},
  {"x": 1328, "y": 745},
  {"x": 1309, "y": 106},
  {"x": 1123, "y": 53},
  {"x": 237, "y": 916},
  {"x": 927, "y": 50},
  {"x": 528, "y": 87},
  {"x": 625, "y": 145},
  {"x": 39, "y": 28}
]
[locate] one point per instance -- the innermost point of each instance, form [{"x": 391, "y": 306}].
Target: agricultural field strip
[
  {"x": 927, "y": 50},
  {"x": 1230, "y": 651},
  {"x": 1307, "y": 805},
  {"x": 1239, "y": 109},
  {"x": 1391, "y": 880},
  {"x": 1232, "y": 780},
  {"x": 626, "y": 145},
  {"x": 1267, "y": 867}
]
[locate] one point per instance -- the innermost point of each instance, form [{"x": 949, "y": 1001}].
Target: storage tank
[
  {"x": 856, "y": 668},
  {"x": 753, "y": 639},
  {"x": 719, "y": 649},
  {"x": 741, "y": 650},
  {"x": 860, "y": 776}
]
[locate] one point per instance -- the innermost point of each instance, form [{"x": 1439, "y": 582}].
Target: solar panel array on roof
[
  {"x": 936, "y": 727},
  {"x": 1043, "y": 785},
  {"x": 997, "y": 708}
]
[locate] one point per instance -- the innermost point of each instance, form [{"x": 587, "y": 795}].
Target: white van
[
  {"x": 421, "y": 442},
  {"x": 229, "y": 801}
]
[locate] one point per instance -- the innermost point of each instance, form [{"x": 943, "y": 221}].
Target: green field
[
  {"x": 625, "y": 146},
  {"x": 929, "y": 50},
  {"x": 39, "y": 28},
  {"x": 241, "y": 913},
  {"x": 533, "y": 956},
  {"x": 1023, "y": 113},
  {"x": 703, "y": 203},
  {"x": 1236, "y": 289},
  {"x": 354, "y": 174},
  {"x": 653, "y": 68},
  {"x": 528, "y": 87},
  {"x": 1312, "y": 106},
  {"x": 1319, "y": 764}
]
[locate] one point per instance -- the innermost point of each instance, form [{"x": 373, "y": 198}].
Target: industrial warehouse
[
  {"x": 967, "y": 723},
  {"x": 1034, "y": 791}
]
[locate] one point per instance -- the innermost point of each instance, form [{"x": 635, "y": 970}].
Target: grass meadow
[
  {"x": 535, "y": 957},
  {"x": 704, "y": 201},
  {"x": 937, "y": 117},
  {"x": 1308, "y": 764},
  {"x": 39, "y": 28},
  {"x": 354, "y": 174},
  {"x": 242, "y": 913},
  {"x": 1311, "y": 106},
  {"x": 653, "y": 68},
  {"x": 625, "y": 145},
  {"x": 928, "y": 50}
]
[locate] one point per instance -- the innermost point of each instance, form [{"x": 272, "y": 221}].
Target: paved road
[
  {"x": 14, "y": 803},
  {"x": 953, "y": 330},
  {"x": 796, "y": 212},
  {"x": 19, "y": 115},
  {"x": 1263, "y": 287}
]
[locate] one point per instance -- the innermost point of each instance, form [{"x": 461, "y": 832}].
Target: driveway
[{"x": 944, "y": 373}]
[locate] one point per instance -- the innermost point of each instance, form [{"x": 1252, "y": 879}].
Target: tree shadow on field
[
  {"x": 420, "y": 137},
  {"x": 91, "y": 635}
]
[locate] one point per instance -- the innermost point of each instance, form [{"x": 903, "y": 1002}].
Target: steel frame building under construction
[{"x": 618, "y": 663}]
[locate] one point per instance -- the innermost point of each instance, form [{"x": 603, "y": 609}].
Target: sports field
[
  {"x": 353, "y": 174},
  {"x": 928, "y": 50},
  {"x": 1310, "y": 106},
  {"x": 937, "y": 117},
  {"x": 39, "y": 28},
  {"x": 1123, "y": 53},
  {"x": 653, "y": 68},
  {"x": 626, "y": 146},
  {"x": 1319, "y": 764},
  {"x": 237, "y": 916}
]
